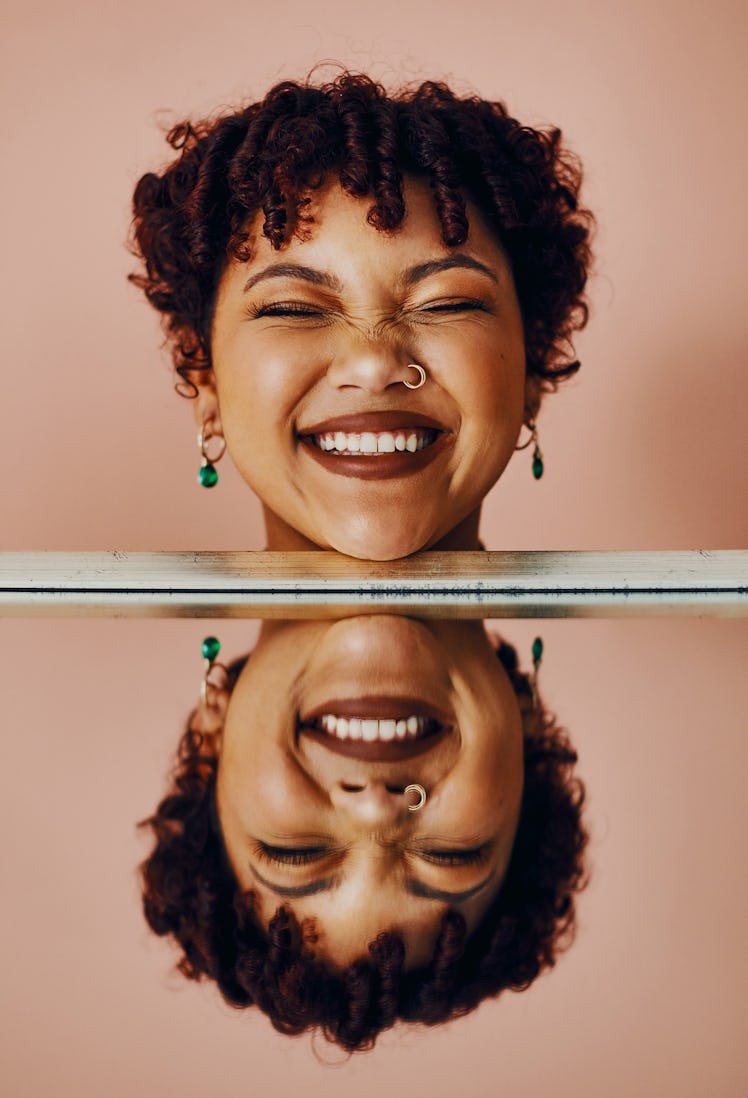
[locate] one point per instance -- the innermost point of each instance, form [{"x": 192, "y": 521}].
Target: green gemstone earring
[
  {"x": 537, "y": 457},
  {"x": 537, "y": 461},
  {"x": 209, "y": 649},
  {"x": 208, "y": 475},
  {"x": 537, "y": 656}
]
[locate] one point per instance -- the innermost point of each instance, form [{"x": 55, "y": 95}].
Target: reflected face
[
  {"x": 313, "y": 810},
  {"x": 310, "y": 347}
]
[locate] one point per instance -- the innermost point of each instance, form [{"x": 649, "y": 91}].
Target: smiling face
[
  {"x": 326, "y": 727},
  {"x": 310, "y": 349}
]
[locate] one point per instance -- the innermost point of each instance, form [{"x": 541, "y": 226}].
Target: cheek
[
  {"x": 484, "y": 371},
  {"x": 256, "y": 386},
  {"x": 269, "y": 792}
]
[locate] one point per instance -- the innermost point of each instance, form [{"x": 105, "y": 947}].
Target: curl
[{"x": 264, "y": 159}]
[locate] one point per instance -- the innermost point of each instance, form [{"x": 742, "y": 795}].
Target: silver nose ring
[
  {"x": 421, "y": 376},
  {"x": 416, "y": 789}
]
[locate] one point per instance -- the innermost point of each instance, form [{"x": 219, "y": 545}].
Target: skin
[
  {"x": 289, "y": 354},
  {"x": 286, "y": 788}
]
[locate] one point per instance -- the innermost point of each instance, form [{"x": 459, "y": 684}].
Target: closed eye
[
  {"x": 475, "y": 856},
  {"x": 287, "y": 855},
  {"x": 455, "y": 307},
  {"x": 285, "y": 309}
]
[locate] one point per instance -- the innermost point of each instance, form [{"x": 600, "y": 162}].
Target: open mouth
[
  {"x": 375, "y": 445},
  {"x": 376, "y": 728},
  {"x": 371, "y": 730}
]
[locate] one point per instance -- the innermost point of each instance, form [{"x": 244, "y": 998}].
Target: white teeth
[
  {"x": 374, "y": 442},
  {"x": 387, "y": 730},
  {"x": 372, "y": 731}
]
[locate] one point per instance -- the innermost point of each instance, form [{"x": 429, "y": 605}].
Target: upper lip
[{"x": 372, "y": 421}]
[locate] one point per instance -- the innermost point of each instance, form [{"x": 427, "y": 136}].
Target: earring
[
  {"x": 537, "y": 457},
  {"x": 208, "y": 475},
  {"x": 210, "y": 648},
  {"x": 537, "y": 656}
]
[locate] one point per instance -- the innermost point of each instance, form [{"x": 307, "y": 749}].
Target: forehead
[{"x": 330, "y": 219}]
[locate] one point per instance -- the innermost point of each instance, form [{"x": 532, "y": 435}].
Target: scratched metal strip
[{"x": 320, "y": 584}]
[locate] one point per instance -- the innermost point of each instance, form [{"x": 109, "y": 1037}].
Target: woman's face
[
  {"x": 310, "y": 347},
  {"x": 321, "y": 823}
]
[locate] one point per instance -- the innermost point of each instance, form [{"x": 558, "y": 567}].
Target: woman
[
  {"x": 367, "y": 295},
  {"x": 373, "y": 820}
]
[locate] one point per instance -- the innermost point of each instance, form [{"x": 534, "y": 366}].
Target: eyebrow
[
  {"x": 410, "y": 277},
  {"x": 415, "y": 888},
  {"x": 295, "y": 270},
  {"x": 424, "y": 892},
  {"x": 296, "y": 892},
  {"x": 447, "y": 263}
]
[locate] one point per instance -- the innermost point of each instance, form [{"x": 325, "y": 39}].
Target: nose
[
  {"x": 369, "y": 364},
  {"x": 371, "y": 803}
]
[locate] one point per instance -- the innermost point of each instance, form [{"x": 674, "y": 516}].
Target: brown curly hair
[
  {"x": 190, "y": 219},
  {"x": 190, "y": 894}
]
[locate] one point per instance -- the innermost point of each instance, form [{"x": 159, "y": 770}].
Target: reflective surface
[
  {"x": 656, "y": 712},
  {"x": 289, "y": 863}
]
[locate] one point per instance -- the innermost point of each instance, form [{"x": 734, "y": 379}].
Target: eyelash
[
  {"x": 455, "y": 857},
  {"x": 292, "y": 308},
  {"x": 283, "y": 855},
  {"x": 456, "y": 307},
  {"x": 284, "y": 309}
]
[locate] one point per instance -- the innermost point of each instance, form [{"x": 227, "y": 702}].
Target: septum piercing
[{"x": 421, "y": 373}]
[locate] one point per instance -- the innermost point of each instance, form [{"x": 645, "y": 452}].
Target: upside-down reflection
[{"x": 290, "y": 867}]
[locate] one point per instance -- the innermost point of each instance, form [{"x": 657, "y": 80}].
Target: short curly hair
[
  {"x": 190, "y": 894},
  {"x": 190, "y": 219}
]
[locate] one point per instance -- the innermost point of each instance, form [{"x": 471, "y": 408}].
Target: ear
[
  {"x": 209, "y": 717},
  {"x": 533, "y": 395},
  {"x": 205, "y": 405}
]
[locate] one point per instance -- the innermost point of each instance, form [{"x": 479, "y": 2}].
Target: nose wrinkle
[{"x": 374, "y": 358}]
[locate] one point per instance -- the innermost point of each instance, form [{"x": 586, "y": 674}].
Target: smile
[
  {"x": 375, "y": 442},
  {"x": 375, "y": 445},
  {"x": 376, "y": 728},
  {"x": 376, "y": 731}
]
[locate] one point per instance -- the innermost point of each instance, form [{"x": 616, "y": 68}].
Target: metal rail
[{"x": 324, "y": 584}]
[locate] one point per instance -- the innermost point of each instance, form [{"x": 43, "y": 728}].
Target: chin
[{"x": 379, "y": 546}]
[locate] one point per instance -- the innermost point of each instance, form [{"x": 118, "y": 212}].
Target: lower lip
[{"x": 401, "y": 463}]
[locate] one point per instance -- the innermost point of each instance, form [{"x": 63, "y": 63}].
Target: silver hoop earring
[
  {"x": 421, "y": 797},
  {"x": 421, "y": 375}
]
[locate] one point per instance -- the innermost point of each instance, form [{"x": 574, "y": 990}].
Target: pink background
[{"x": 643, "y": 450}]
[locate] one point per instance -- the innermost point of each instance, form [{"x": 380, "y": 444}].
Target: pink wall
[{"x": 643, "y": 450}]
